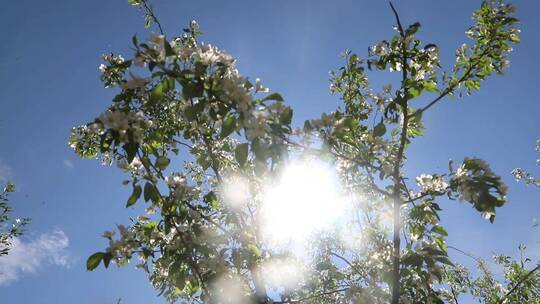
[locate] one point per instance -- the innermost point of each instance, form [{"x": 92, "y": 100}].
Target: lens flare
[
  {"x": 282, "y": 272},
  {"x": 306, "y": 199},
  {"x": 235, "y": 191}
]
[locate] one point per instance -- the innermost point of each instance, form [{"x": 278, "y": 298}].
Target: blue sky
[{"x": 49, "y": 60}]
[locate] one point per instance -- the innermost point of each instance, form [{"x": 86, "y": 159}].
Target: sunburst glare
[{"x": 305, "y": 199}]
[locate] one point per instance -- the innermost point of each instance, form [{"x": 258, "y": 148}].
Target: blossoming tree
[
  {"x": 186, "y": 125},
  {"x": 9, "y": 228}
]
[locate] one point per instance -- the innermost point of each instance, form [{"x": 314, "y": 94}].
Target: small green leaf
[
  {"x": 94, "y": 260},
  {"x": 134, "y": 40},
  {"x": 286, "y": 116},
  {"x": 241, "y": 153},
  {"x": 414, "y": 92},
  {"x": 168, "y": 49},
  {"x": 254, "y": 250},
  {"x": 273, "y": 96},
  {"x": 151, "y": 65},
  {"x": 134, "y": 196},
  {"x": 162, "y": 162},
  {"x": 107, "y": 259},
  {"x": 157, "y": 93},
  {"x": 191, "y": 90},
  {"x": 211, "y": 199},
  {"x": 515, "y": 39},
  {"x": 440, "y": 230},
  {"x": 131, "y": 150},
  {"x": 258, "y": 150},
  {"x": 430, "y": 86},
  {"x": 413, "y": 28},
  {"x": 379, "y": 129},
  {"x": 148, "y": 191},
  {"x": 443, "y": 259},
  {"x": 229, "y": 124}
]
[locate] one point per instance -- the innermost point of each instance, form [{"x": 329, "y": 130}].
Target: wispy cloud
[
  {"x": 68, "y": 164},
  {"x": 31, "y": 256}
]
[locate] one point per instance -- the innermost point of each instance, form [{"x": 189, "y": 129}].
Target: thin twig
[
  {"x": 345, "y": 261},
  {"x": 150, "y": 13},
  {"x": 465, "y": 253},
  {"x": 454, "y": 295},
  {"x": 400, "y": 28}
]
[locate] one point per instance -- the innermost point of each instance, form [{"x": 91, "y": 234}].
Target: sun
[{"x": 305, "y": 199}]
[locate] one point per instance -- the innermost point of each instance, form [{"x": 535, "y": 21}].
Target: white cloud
[
  {"x": 29, "y": 257},
  {"x": 68, "y": 163}
]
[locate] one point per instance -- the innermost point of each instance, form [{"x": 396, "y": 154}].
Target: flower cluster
[
  {"x": 181, "y": 190},
  {"x": 129, "y": 126},
  {"x": 210, "y": 55},
  {"x": 121, "y": 249},
  {"x": 431, "y": 183},
  {"x": 112, "y": 73}
]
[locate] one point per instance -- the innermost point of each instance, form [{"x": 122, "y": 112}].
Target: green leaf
[
  {"x": 157, "y": 93},
  {"x": 134, "y": 40},
  {"x": 149, "y": 191},
  {"x": 211, "y": 199},
  {"x": 286, "y": 116},
  {"x": 229, "y": 124},
  {"x": 168, "y": 50},
  {"x": 379, "y": 129},
  {"x": 413, "y": 28},
  {"x": 440, "y": 230},
  {"x": 473, "y": 85},
  {"x": 148, "y": 23},
  {"x": 254, "y": 250},
  {"x": 94, "y": 260},
  {"x": 191, "y": 90},
  {"x": 107, "y": 257},
  {"x": 414, "y": 92},
  {"x": 162, "y": 162},
  {"x": 151, "y": 65},
  {"x": 131, "y": 151},
  {"x": 444, "y": 259},
  {"x": 134, "y": 196},
  {"x": 241, "y": 153},
  {"x": 258, "y": 150},
  {"x": 273, "y": 96},
  {"x": 430, "y": 86},
  {"x": 480, "y": 186}
]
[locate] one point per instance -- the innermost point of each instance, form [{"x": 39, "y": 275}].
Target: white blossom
[
  {"x": 259, "y": 87},
  {"x": 380, "y": 49},
  {"x": 430, "y": 183},
  {"x": 134, "y": 83}
]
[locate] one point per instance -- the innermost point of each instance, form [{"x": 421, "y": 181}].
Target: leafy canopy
[{"x": 186, "y": 123}]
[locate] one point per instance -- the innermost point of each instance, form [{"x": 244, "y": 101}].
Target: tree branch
[
  {"x": 396, "y": 172},
  {"x": 150, "y": 13},
  {"x": 501, "y": 301},
  {"x": 449, "y": 89}
]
